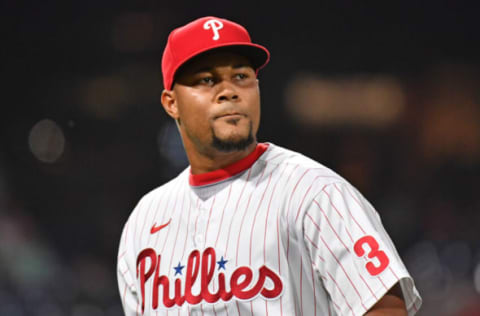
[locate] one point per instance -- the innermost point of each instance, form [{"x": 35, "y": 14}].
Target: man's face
[{"x": 218, "y": 102}]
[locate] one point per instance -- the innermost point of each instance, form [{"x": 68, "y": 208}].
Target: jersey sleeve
[
  {"x": 351, "y": 252},
  {"x": 126, "y": 276}
]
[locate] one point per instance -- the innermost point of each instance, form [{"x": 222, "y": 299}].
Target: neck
[{"x": 213, "y": 159}]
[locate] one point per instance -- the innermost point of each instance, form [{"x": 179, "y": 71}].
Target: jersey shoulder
[
  {"x": 302, "y": 179},
  {"x": 300, "y": 166},
  {"x": 160, "y": 191}
]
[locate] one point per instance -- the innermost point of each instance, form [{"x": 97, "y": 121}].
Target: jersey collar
[{"x": 228, "y": 171}]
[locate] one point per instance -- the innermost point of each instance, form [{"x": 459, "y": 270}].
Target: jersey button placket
[{"x": 201, "y": 223}]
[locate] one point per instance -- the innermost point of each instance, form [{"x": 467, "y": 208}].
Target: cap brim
[{"x": 257, "y": 54}]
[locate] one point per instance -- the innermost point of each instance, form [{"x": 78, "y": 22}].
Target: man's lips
[{"x": 230, "y": 115}]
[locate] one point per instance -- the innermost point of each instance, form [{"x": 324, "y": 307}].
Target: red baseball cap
[{"x": 205, "y": 34}]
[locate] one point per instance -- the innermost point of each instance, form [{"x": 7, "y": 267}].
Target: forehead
[{"x": 214, "y": 59}]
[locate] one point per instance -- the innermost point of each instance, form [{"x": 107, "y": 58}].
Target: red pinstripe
[
  {"x": 348, "y": 210},
  {"x": 331, "y": 298},
  {"x": 186, "y": 231},
  {"x": 361, "y": 228},
  {"x": 361, "y": 277},
  {"x": 295, "y": 188},
  {"x": 311, "y": 241},
  {"x": 164, "y": 211},
  {"x": 288, "y": 207},
  {"x": 275, "y": 157},
  {"x": 159, "y": 201},
  {"x": 178, "y": 230},
  {"x": 236, "y": 209},
  {"x": 238, "y": 308},
  {"x": 223, "y": 212},
  {"x": 278, "y": 247},
  {"x": 345, "y": 272},
  {"x": 323, "y": 260},
  {"x": 268, "y": 213},
  {"x": 383, "y": 283},
  {"x": 329, "y": 224},
  {"x": 169, "y": 226},
  {"x": 336, "y": 305},
  {"x": 278, "y": 235},
  {"x": 255, "y": 216},
  {"x": 122, "y": 254},
  {"x": 245, "y": 213},
  {"x": 198, "y": 216},
  {"x": 209, "y": 216},
  {"x": 391, "y": 270},
  {"x": 304, "y": 196},
  {"x": 156, "y": 214},
  {"x": 146, "y": 216},
  {"x": 313, "y": 222},
  {"x": 279, "y": 266},
  {"x": 338, "y": 212},
  {"x": 340, "y": 290}
]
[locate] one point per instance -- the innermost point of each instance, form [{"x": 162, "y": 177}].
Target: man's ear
[{"x": 169, "y": 103}]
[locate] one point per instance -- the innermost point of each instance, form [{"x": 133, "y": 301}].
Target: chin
[{"x": 230, "y": 144}]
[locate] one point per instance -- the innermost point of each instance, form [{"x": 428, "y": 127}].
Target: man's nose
[{"x": 227, "y": 92}]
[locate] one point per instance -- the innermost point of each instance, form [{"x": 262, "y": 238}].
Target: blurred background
[{"x": 387, "y": 95}]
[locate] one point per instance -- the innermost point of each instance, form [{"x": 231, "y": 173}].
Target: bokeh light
[{"x": 46, "y": 141}]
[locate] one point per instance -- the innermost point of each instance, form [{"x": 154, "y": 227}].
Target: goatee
[{"x": 232, "y": 145}]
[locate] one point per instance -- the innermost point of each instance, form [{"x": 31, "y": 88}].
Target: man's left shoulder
[{"x": 302, "y": 168}]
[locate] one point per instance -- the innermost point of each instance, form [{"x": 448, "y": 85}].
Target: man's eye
[
  {"x": 241, "y": 76},
  {"x": 206, "y": 80}
]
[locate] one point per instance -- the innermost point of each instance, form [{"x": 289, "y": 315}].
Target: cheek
[
  {"x": 254, "y": 103},
  {"x": 190, "y": 105},
  {"x": 193, "y": 112}
]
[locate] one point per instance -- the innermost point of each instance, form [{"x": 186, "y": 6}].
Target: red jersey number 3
[{"x": 372, "y": 251}]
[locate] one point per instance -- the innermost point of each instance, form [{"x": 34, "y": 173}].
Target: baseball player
[{"x": 249, "y": 228}]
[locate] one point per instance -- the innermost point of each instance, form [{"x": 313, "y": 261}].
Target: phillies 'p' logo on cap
[
  {"x": 214, "y": 25},
  {"x": 205, "y": 34}
]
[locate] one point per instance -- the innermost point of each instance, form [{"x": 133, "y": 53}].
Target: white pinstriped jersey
[{"x": 274, "y": 234}]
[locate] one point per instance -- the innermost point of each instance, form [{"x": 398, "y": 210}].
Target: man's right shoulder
[{"x": 163, "y": 189}]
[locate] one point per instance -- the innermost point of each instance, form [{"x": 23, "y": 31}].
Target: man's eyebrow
[
  {"x": 203, "y": 69},
  {"x": 242, "y": 65},
  {"x": 210, "y": 68}
]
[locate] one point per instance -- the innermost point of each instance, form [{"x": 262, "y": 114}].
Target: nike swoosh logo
[{"x": 157, "y": 228}]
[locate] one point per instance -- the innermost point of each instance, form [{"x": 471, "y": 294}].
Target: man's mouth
[{"x": 230, "y": 115}]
